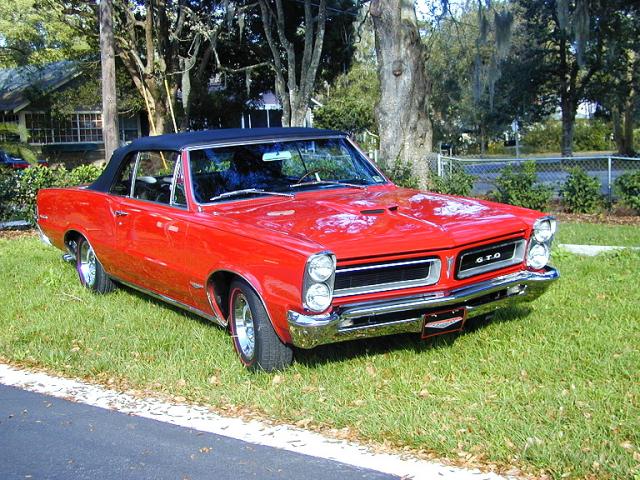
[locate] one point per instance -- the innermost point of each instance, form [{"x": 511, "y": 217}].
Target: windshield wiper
[
  {"x": 326, "y": 182},
  {"x": 248, "y": 191}
]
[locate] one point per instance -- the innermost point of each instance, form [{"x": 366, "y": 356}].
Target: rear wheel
[
  {"x": 90, "y": 271},
  {"x": 254, "y": 338}
]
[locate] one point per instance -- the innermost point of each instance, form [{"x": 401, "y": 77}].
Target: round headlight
[
  {"x": 318, "y": 297},
  {"x": 321, "y": 268},
  {"x": 543, "y": 231},
  {"x": 538, "y": 256}
]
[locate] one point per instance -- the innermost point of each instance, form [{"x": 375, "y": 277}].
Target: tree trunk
[
  {"x": 568, "y": 122},
  {"x": 110, "y": 133},
  {"x": 294, "y": 91},
  {"x": 618, "y": 136},
  {"x": 403, "y": 123},
  {"x": 627, "y": 130}
]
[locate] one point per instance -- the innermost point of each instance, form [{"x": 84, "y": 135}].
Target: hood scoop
[{"x": 378, "y": 211}]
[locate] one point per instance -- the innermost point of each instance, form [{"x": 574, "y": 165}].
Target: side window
[
  {"x": 122, "y": 185},
  {"x": 154, "y": 176},
  {"x": 179, "y": 197}
]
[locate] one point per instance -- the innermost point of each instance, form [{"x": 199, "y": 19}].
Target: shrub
[
  {"x": 581, "y": 193},
  {"x": 518, "y": 186},
  {"x": 19, "y": 188},
  {"x": 588, "y": 135},
  {"x": 627, "y": 187},
  {"x": 29, "y": 181},
  {"x": 8, "y": 186},
  {"x": 401, "y": 174},
  {"x": 457, "y": 183},
  {"x": 84, "y": 174},
  {"x": 591, "y": 135}
]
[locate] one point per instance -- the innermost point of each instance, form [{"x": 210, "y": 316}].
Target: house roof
[
  {"x": 181, "y": 141},
  {"x": 18, "y": 84}
]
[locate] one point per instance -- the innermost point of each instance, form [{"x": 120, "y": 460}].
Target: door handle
[{"x": 120, "y": 213}]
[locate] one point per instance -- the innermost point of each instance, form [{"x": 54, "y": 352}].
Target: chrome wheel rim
[
  {"x": 87, "y": 267},
  {"x": 243, "y": 322}
]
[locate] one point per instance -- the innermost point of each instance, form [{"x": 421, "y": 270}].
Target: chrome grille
[
  {"x": 379, "y": 277},
  {"x": 488, "y": 258}
]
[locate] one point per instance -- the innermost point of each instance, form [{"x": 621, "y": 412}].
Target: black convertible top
[{"x": 180, "y": 141}]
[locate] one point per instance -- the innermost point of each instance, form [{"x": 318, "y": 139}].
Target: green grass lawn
[
  {"x": 554, "y": 388},
  {"x": 598, "y": 234}
]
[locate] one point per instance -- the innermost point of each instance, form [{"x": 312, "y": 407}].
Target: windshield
[{"x": 236, "y": 172}]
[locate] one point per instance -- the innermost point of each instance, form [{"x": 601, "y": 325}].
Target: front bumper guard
[{"x": 405, "y": 315}]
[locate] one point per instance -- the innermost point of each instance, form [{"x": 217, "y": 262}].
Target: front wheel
[
  {"x": 90, "y": 271},
  {"x": 254, "y": 338}
]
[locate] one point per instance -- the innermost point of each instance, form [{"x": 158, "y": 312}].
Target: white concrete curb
[
  {"x": 199, "y": 418},
  {"x": 591, "y": 250}
]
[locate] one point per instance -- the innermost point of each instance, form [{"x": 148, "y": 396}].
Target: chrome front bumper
[{"x": 403, "y": 315}]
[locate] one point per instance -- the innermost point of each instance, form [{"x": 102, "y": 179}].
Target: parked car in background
[
  {"x": 17, "y": 163},
  {"x": 292, "y": 237}
]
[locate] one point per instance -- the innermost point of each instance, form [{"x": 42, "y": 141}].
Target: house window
[
  {"x": 8, "y": 118},
  {"x": 81, "y": 127},
  {"x": 66, "y": 129},
  {"x": 39, "y": 127},
  {"x": 89, "y": 127},
  {"x": 128, "y": 128}
]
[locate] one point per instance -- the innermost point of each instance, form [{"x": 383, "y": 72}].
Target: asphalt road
[{"x": 43, "y": 437}]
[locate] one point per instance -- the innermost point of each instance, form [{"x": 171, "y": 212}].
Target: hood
[{"x": 364, "y": 223}]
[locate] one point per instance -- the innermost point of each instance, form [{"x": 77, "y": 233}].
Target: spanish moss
[
  {"x": 503, "y": 22},
  {"x": 562, "y": 10},
  {"x": 581, "y": 28}
]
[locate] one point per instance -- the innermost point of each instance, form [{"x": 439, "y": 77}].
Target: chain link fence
[{"x": 550, "y": 171}]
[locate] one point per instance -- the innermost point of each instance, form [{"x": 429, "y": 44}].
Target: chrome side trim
[
  {"x": 308, "y": 331},
  {"x": 431, "y": 279},
  {"x": 175, "y": 303},
  {"x": 517, "y": 257}
]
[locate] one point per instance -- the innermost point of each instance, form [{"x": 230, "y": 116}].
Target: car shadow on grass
[
  {"x": 354, "y": 349},
  {"x": 163, "y": 304}
]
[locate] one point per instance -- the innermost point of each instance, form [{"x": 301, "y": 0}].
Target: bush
[
  {"x": 20, "y": 187},
  {"x": 457, "y": 183},
  {"x": 29, "y": 181},
  {"x": 518, "y": 186},
  {"x": 581, "y": 193},
  {"x": 8, "y": 185},
  {"x": 401, "y": 175},
  {"x": 84, "y": 174},
  {"x": 591, "y": 135},
  {"x": 627, "y": 187},
  {"x": 588, "y": 135}
]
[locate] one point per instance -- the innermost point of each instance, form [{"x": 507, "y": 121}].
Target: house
[{"x": 72, "y": 138}]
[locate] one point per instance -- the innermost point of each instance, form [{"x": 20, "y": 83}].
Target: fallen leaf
[
  {"x": 205, "y": 450},
  {"x": 276, "y": 380},
  {"x": 423, "y": 393},
  {"x": 214, "y": 380},
  {"x": 181, "y": 383},
  {"x": 304, "y": 423}
]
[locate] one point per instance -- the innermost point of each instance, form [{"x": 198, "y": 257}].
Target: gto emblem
[{"x": 486, "y": 258}]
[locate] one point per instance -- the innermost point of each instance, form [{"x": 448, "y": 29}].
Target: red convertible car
[{"x": 292, "y": 237}]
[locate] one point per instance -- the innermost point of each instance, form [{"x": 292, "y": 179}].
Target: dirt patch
[
  {"x": 606, "y": 219},
  {"x": 13, "y": 234}
]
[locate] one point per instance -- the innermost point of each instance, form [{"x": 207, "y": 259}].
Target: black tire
[
  {"x": 268, "y": 352},
  {"x": 90, "y": 270}
]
